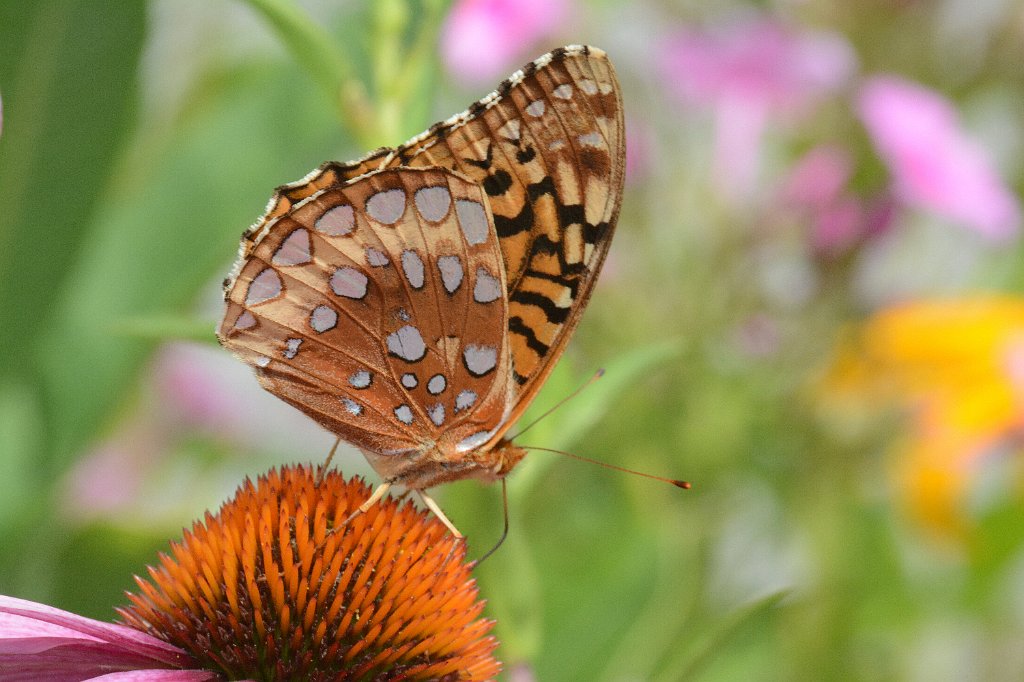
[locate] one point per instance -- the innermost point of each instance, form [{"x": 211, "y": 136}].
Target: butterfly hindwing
[{"x": 377, "y": 307}]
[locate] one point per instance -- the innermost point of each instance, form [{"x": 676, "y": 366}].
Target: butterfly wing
[
  {"x": 548, "y": 147},
  {"x": 377, "y": 307},
  {"x": 550, "y": 152}
]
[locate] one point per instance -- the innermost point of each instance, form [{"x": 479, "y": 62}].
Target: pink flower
[
  {"x": 200, "y": 388},
  {"x": 747, "y": 72},
  {"x": 819, "y": 177},
  {"x": 39, "y": 642},
  {"x": 757, "y": 62},
  {"x": 638, "y": 150},
  {"x": 817, "y": 191},
  {"x": 192, "y": 389},
  {"x": 483, "y": 40},
  {"x": 935, "y": 165}
]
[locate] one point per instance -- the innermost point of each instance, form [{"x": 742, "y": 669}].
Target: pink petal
[
  {"x": 39, "y": 642},
  {"x": 935, "y": 165},
  {"x": 756, "y": 61},
  {"x": 638, "y": 150},
  {"x": 819, "y": 177},
  {"x": 158, "y": 676},
  {"x": 483, "y": 40},
  {"x": 749, "y": 72},
  {"x": 737, "y": 152},
  {"x": 838, "y": 226}
]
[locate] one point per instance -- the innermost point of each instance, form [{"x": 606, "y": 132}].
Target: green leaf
[
  {"x": 170, "y": 229},
  {"x": 167, "y": 328},
  {"x": 512, "y": 587},
  {"x": 562, "y": 428},
  {"x": 68, "y": 73},
  {"x": 692, "y": 661},
  {"x": 323, "y": 58},
  {"x": 20, "y": 440}
]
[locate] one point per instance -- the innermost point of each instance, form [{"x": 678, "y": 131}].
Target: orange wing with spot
[{"x": 377, "y": 308}]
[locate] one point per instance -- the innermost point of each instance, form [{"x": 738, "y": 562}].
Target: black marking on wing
[
  {"x": 487, "y": 161},
  {"x": 510, "y": 227},
  {"x": 526, "y": 155},
  {"x": 497, "y": 183},
  {"x": 571, "y": 283},
  {"x": 517, "y": 326},
  {"x": 543, "y": 244},
  {"x": 555, "y": 314}
]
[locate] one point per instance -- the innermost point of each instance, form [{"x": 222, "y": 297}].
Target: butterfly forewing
[
  {"x": 544, "y": 155},
  {"x": 378, "y": 308}
]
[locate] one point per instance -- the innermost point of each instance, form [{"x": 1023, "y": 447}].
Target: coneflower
[{"x": 276, "y": 586}]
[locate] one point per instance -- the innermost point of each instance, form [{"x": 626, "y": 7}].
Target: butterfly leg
[
  {"x": 432, "y": 506},
  {"x": 370, "y": 501},
  {"x": 322, "y": 471}
]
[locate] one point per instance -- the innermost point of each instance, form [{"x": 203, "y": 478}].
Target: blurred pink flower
[
  {"x": 935, "y": 165},
  {"x": 483, "y": 40},
  {"x": 747, "y": 72},
  {"x": 192, "y": 389},
  {"x": 110, "y": 477},
  {"x": 758, "y": 336},
  {"x": 817, "y": 190},
  {"x": 200, "y": 387},
  {"x": 638, "y": 150},
  {"x": 521, "y": 672},
  {"x": 819, "y": 177},
  {"x": 837, "y": 226},
  {"x": 39, "y": 642}
]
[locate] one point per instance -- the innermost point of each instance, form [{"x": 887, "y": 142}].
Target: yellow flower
[
  {"x": 957, "y": 365},
  {"x": 264, "y": 590}
]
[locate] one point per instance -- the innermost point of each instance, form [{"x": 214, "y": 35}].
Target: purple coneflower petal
[{"x": 39, "y": 642}]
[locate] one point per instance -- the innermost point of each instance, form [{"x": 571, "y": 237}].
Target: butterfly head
[
  {"x": 503, "y": 457},
  {"x": 438, "y": 464}
]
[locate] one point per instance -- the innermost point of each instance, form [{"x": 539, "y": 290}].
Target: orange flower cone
[{"x": 264, "y": 589}]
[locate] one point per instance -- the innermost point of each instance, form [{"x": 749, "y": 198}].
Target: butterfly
[{"x": 414, "y": 301}]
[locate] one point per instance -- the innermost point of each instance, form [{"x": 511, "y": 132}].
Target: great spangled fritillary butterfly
[{"x": 413, "y": 301}]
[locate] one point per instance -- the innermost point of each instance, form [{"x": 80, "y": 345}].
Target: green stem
[
  {"x": 390, "y": 19},
  {"x": 419, "y": 59},
  {"x": 320, "y": 55}
]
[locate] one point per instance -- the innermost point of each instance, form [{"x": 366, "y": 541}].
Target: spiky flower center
[{"x": 276, "y": 586}]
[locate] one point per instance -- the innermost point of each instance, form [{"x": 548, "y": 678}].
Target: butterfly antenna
[
  {"x": 504, "y": 532},
  {"x": 597, "y": 375},
  {"x": 685, "y": 485}
]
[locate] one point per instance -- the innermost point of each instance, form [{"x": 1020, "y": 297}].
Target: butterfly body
[
  {"x": 440, "y": 464},
  {"x": 414, "y": 301}
]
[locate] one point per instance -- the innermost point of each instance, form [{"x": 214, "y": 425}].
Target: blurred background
[{"x": 812, "y": 311}]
